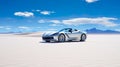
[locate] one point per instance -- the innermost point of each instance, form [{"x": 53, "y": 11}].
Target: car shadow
[{"x": 62, "y": 42}]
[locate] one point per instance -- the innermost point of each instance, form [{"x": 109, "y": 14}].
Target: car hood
[{"x": 49, "y": 33}]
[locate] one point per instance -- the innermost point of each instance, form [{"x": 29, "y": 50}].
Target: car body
[{"x": 66, "y": 34}]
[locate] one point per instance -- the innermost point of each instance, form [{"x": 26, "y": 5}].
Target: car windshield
[{"x": 65, "y": 30}]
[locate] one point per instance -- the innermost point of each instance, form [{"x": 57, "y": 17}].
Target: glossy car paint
[{"x": 73, "y": 35}]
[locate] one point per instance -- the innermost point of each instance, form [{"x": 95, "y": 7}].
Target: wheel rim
[
  {"x": 83, "y": 37},
  {"x": 61, "y": 38}
]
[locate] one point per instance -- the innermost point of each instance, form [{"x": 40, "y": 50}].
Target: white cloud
[
  {"x": 106, "y": 21},
  {"x": 24, "y": 14},
  {"x": 41, "y": 21},
  {"x": 23, "y": 27},
  {"x": 91, "y": 1},
  {"x": 55, "y": 21},
  {"x": 46, "y": 12}
]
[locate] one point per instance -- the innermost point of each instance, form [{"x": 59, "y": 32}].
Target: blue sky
[{"x": 43, "y": 15}]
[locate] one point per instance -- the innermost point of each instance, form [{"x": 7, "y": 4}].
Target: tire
[
  {"x": 83, "y": 37},
  {"x": 47, "y": 41},
  {"x": 61, "y": 38}
]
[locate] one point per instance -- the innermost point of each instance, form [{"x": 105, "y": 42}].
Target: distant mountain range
[
  {"x": 89, "y": 31},
  {"x": 97, "y": 31}
]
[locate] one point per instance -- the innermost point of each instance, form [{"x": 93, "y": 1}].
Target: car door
[{"x": 72, "y": 35}]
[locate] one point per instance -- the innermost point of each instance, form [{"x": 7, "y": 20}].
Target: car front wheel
[{"x": 61, "y": 38}]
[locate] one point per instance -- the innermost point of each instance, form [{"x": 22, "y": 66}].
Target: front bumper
[{"x": 50, "y": 38}]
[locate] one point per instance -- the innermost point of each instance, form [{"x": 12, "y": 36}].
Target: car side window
[
  {"x": 68, "y": 30},
  {"x": 75, "y": 30}
]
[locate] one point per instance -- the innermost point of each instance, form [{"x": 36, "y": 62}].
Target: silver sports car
[{"x": 66, "y": 34}]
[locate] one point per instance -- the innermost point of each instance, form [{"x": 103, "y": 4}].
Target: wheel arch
[
  {"x": 82, "y": 35},
  {"x": 62, "y": 34}
]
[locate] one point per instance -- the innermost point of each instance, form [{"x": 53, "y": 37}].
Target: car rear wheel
[
  {"x": 83, "y": 37},
  {"x": 61, "y": 38}
]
